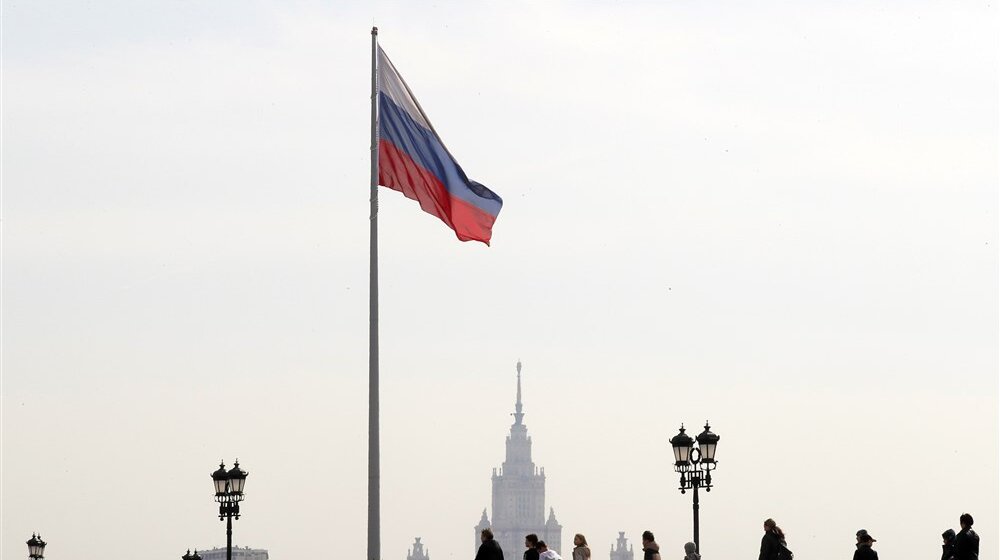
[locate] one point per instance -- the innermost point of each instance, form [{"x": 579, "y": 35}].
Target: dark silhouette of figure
[
  {"x": 490, "y": 549},
  {"x": 864, "y": 549},
  {"x": 531, "y": 545},
  {"x": 772, "y": 544},
  {"x": 691, "y": 551},
  {"x": 966, "y": 541},
  {"x": 948, "y": 548},
  {"x": 650, "y": 550},
  {"x": 581, "y": 550}
]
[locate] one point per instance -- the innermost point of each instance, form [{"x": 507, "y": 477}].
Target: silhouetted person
[
  {"x": 490, "y": 549},
  {"x": 948, "y": 548},
  {"x": 864, "y": 549},
  {"x": 966, "y": 541},
  {"x": 691, "y": 551},
  {"x": 580, "y": 549},
  {"x": 650, "y": 550},
  {"x": 545, "y": 554},
  {"x": 531, "y": 544},
  {"x": 772, "y": 544}
]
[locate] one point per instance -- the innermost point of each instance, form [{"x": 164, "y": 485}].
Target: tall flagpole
[{"x": 374, "y": 528}]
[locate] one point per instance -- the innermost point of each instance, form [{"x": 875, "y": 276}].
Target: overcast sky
[{"x": 778, "y": 216}]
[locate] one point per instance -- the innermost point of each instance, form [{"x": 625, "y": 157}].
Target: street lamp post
[
  {"x": 695, "y": 465},
  {"x": 229, "y": 494},
  {"x": 36, "y": 547}
]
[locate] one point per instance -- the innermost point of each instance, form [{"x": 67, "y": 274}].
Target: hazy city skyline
[{"x": 778, "y": 217}]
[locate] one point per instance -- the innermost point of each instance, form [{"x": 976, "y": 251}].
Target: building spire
[{"x": 518, "y": 415}]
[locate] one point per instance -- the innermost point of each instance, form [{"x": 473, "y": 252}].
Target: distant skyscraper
[
  {"x": 418, "y": 552},
  {"x": 238, "y": 554},
  {"x": 619, "y": 550},
  {"x": 519, "y": 494}
]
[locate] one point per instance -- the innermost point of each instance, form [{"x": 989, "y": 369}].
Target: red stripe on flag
[{"x": 399, "y": 172}]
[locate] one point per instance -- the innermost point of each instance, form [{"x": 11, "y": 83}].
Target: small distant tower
[
  {"x": 622, "y": 550},
  {"x": 484, "y": 523},
  {"x": 418, "y": 552},
  {"x": 553, "y": 530}
]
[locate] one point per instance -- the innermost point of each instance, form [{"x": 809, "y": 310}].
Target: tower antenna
[{"x": 518, "y": 414}]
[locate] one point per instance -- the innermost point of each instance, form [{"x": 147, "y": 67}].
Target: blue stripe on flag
[{"x": 426, "y": 149}]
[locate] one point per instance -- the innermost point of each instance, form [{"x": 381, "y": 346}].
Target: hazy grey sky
[{"x": 780, "y": 216}]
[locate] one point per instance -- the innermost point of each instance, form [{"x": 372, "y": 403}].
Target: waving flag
[{"x": 413, "y": 160}]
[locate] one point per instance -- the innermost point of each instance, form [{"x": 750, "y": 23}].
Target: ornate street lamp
[
  {"x": 36, "y": 547},
  {"x": 237, "y": 478},
  {"x": 682, "y": 444},
  {"x": 229, "y": 493},
  {"x": 695, "y": 465},
  {"x": 706, "y": 445},
  {"x": 220, "y": 479}
]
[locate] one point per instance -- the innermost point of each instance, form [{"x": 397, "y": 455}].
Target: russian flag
[{"x": 413, "y": 160}]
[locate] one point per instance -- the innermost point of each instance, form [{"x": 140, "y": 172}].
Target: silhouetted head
[
  {"x": 647, "y": 536},
  {"x": 771, "y": 526},
  {"x": 863, "y": 536},
  {"x": 965, "y": 520},
  {"x": 531, "y": 540},
  {"x": 486, "y": 535},
  {"x": 579, "y": 540}
]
